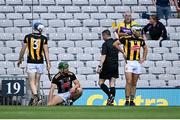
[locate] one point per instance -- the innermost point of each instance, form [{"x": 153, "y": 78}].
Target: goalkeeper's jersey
[{"x": 64, "y": 81}]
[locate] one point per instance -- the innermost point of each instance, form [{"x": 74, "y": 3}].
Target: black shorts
[{"x": 109, "y": 72}]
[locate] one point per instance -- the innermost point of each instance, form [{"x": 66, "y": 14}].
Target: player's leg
[
  {"x": 55, "y": 100},
  {"x": 36, "y": 96},
  {"x": 128, "y": 76},
  {"x": 31, "y": 72},
  {"x": 77, "y": 94},
  {"x": 104, "y": 87},
  {"x": 135, "y": 78},
  {"x": 39, "y": 71},
  {"x": 32, "y": 83}
]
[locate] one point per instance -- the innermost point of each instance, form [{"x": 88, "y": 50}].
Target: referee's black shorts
[{"x": 109, "y": 72}]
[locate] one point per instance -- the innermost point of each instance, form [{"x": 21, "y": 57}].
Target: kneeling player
[{"x": 66, "y": 91}]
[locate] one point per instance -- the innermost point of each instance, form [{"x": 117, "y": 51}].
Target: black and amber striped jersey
[
  {"x": 35, "y": 44},
  {"x": 132, "y": 47}
]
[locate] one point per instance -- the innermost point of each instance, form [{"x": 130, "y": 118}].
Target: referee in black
[{"x": 108, "y": 67}]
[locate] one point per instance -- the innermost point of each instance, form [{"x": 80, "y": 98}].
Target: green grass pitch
[{"x": 88, "y": 112}]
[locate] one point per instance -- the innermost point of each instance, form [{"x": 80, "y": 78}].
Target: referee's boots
[{"x": 110, "y": 101}]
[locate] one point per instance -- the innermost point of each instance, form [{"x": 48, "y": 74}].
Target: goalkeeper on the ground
[{"x": 67, "y": 92}]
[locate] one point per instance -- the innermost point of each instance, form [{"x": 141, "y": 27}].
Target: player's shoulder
[
  {"x": 43, "y": 36},
  {"x": 28, "y": 35},
  {"x": 57, "y": 75},
  {"x": 70, "y": 73}
]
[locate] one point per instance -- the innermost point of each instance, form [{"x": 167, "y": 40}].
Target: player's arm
[
  {"x": 119, "y": 32},
  {"x": 117, "y": 44},
  {"x": 102, "y": 59},
  {"x": 76, "y": 86},
  {"x": 177, "y": 6},
  {"x": 116, "y": 35},
  {"x": 21, "y": 54},
  {"x": 154, "y": 2},
  {"x": 46, "y": 52},
  {"x": 51, "y": 92},
  {"x": 122, "y": 34},
  {"x": 145, "y": 51}
]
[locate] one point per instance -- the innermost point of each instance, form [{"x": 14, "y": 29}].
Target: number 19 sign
[{"x": 12, "y": 87}]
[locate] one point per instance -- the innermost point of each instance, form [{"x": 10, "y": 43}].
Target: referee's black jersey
[
  {"x": 132, "y": 47},
  {"x": 35, "y": 44},
  {"x": 110, "y": 52}
]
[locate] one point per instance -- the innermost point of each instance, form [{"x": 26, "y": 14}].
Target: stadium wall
[{"x": 144, "y": 97}]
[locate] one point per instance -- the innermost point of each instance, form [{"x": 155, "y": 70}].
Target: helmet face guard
[
  {"x": 137, "y": 31},
  {"x": 38, "y": 26},
  {"x": 63, "y": 65}
]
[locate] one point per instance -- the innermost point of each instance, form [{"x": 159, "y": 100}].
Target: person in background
[
  {"x": 156, "y": 29},
  {"x": 124, "y": 28},
  {"x": 163, "y": 8}
]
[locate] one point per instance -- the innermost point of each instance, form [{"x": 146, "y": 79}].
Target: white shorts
[
  {"x": 33, "y": 68},
  {"x": 65, "y": 96},
  {"x": 133, "y": 67}
]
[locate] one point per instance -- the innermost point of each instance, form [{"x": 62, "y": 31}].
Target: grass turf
[{"x": 88, "y": 112}]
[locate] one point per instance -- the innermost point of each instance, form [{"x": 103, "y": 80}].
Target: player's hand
[
  {"x": 125, "y": 34},
  {"x": 72, "y": 90},
  {"x": 19, "y": 62},
  {"x": 178, "y": 9},
  {"x": 125, "y": 57},
  {"x": 141, "y": 60},
  {"x": 99, "y": 69}
]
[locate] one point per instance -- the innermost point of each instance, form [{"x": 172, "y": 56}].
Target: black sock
[
  {"x": 113, "y": 91},
  {"x": 127, "y": 98},
  {"x": 105, "y": 89}
]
